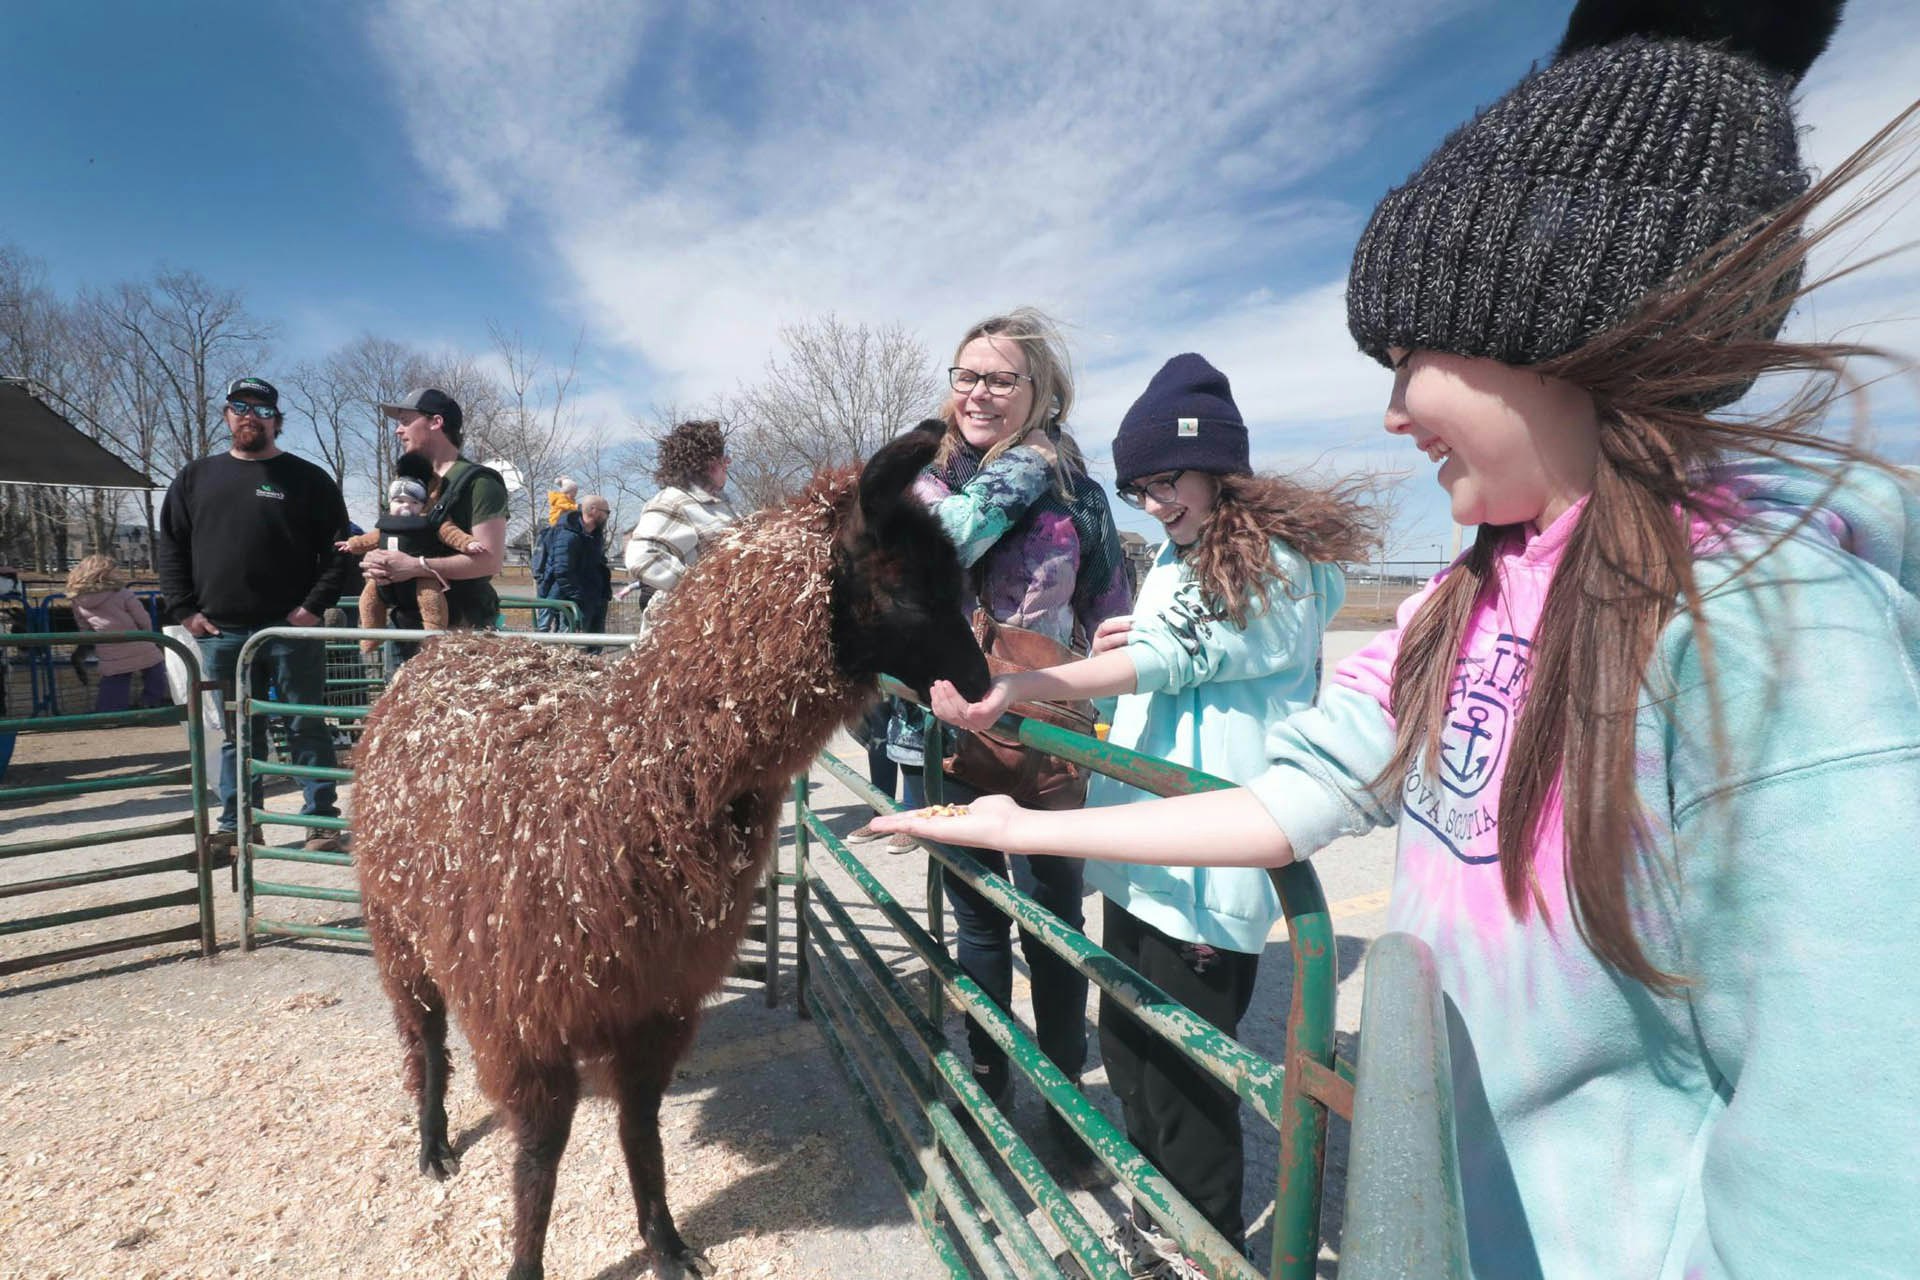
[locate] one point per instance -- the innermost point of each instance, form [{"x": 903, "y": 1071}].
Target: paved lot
[{"x": 165, "y": 1116}]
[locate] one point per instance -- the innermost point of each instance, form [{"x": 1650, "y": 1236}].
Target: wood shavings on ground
[{"x": 201, "y": 1137}]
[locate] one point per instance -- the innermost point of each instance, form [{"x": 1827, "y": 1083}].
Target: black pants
[
  {"x": 984, "y": 951},
  {"x": 1182, "y": 1119}
]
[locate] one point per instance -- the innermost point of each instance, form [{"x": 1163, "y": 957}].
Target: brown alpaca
[
  {"x": 564, "y": 852},
  {"x": 430, "y": 597}
]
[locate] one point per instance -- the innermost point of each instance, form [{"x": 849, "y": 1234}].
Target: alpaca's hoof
[
  {"x": 438, "y": 1161},
  {"x": 678, "y": 1266}
]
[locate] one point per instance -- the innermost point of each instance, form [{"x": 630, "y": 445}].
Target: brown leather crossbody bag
[{"x": 993, "y": 765}]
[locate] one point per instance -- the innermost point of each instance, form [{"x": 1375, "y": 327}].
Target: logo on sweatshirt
[
  {"x": 268, "y": 489},
  {"x": 1457, "y": 797}
]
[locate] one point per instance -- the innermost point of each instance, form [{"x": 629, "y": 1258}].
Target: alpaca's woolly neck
[
  {"x": 734, "y": 686},
  {"x": 577, "y": 842}
]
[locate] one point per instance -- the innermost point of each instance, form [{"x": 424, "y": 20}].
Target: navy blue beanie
[{"x": 1185, "y": 420}]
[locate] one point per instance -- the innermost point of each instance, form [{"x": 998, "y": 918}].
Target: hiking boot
[{"x": 222, "y": 842}]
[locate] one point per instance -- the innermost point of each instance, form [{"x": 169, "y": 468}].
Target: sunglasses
[
  {"x": 243, "y": 409},
  {"x": 1159, "y": 488}
]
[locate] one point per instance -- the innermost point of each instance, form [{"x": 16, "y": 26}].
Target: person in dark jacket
[
  {"x": 246, "y": 543},
  {"x": 576, "y": 567}
]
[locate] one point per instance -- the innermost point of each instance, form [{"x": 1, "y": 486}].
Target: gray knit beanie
[{"x": 1657, "y": 131}]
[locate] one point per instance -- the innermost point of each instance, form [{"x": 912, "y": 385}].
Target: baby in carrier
[{"x": 405, "y": 529}]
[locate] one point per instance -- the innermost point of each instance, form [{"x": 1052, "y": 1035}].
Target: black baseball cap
[
  {"x": 427, "y": 400},
  {"x": 258, "y": 388}
]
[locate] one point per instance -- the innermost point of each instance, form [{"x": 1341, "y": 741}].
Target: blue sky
[{"x": 676, "y": 183}]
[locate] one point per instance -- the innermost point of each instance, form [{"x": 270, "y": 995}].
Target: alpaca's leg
[
  {"x": 643, "y": 1067},
  {"x": 420, "y": 1012},
  {"x": 540, "y": 1104}
]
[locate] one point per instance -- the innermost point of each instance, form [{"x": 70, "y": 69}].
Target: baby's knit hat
[
  {"x": 406, "y": 489},
  {"x": 1185, "y": 420},
  {"x": 1659, "y": 130}
]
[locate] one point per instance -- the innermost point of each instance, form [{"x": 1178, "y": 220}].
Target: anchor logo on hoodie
[{"x": 1488, "y": 691}]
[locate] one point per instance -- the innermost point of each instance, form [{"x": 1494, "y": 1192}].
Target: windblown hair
[
  {"x": 1051, "y": 369},
  {"x": 95, "y": 573},
  {"x": 689, "y": 452},
  {"x": 1232, "y": 560},
  {"x": 1628, "y": 566}
]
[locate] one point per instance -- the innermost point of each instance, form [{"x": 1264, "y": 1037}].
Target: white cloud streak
[{"x": 1153, "y": 175}]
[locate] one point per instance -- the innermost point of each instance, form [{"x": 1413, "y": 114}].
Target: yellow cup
[{"x": 1101, "y": 729}]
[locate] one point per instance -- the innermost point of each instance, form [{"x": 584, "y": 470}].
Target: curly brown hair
[
  {"x": 1233, "y": 559},
  {"x": 689, "y": 452}
]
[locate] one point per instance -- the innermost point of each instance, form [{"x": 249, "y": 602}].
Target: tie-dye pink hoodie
[{"x": 1763, "y": 1122}]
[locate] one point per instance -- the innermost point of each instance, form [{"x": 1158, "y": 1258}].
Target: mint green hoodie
[
  {"x": 1206, "y": 693},
  {"x": 1765, "y": 1121}
]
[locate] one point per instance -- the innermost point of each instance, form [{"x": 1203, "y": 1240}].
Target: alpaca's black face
[{"x": 900, "y": 602}]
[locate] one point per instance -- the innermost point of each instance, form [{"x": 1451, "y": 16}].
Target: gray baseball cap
[{"x": 429, "y": 400}]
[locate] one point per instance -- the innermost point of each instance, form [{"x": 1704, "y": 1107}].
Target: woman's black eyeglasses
[
  {"x": 999, "y": 384},
  {"x": 1159, "y": 488}
]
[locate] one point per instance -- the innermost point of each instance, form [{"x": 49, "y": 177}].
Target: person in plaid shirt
[{"x": 686, "y": 515}]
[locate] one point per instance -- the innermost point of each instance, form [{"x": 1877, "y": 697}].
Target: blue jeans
[
  {"x": 296, "y": 671},
  {"x": 985, "y": 951}
]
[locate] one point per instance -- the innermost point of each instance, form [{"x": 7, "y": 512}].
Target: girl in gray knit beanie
[{"x": 1653, "y": 743}]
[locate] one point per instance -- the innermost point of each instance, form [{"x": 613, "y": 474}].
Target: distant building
[{"x": 1139, "y": 553}]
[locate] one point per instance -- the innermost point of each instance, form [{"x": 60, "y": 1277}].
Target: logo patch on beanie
[{"x": 1188, "y": 427}]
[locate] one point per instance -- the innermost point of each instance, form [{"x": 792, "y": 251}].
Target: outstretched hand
[
  {"x": 984, "y": 825},
  {"x": 951, "y": 707}
]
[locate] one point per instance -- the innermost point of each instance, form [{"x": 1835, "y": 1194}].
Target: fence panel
[
  {"x": 196, "y": 862},
  {"x": 1293, "y": 1096}
]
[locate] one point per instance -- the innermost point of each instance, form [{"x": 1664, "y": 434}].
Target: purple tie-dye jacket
[{"x": 1047, "y": 564}]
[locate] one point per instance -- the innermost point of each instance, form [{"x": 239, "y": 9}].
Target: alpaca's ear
[{"x": 890, "y": 472}]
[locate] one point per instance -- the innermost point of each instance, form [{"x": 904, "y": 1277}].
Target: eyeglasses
[
  {"x": 1159, "y": 488},
  {"x": 1001, "y": 383},
  {"x": 244, "y": 409}
]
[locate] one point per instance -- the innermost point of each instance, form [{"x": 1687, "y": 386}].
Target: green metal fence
[
  {"x": 254, "y": 848},
  {"x": 196, "y": 861},
  {"x": 895, "y": 1052}
]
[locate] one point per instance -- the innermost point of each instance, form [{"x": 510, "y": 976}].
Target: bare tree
[
  {"x": 196, "y": 338},
  {"x": 834, "y": 394},
  {"x": 534, "y": 425},
  {"x": 340, "y": 397}
]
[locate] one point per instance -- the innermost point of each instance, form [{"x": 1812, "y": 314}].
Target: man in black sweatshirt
[{"x": 246, "y": 542}]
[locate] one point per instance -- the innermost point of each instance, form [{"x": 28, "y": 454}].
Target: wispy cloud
[
  {"x": 1157, "y": 176},
  {"x": 1104, "y": 161}
]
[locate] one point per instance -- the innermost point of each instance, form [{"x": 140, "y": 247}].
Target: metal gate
[
  {"x": 191, "y": 769},
  {"x": 892, "y": 1047}
]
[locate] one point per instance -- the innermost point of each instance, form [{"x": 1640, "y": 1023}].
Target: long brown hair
[
  {"x": 1233, "y": 559},
  {"x": 1628, "y": 566}
]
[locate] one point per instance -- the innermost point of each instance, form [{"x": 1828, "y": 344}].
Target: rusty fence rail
[{"x": 190, "y": 771}]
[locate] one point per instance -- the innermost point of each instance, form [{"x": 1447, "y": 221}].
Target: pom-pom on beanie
[
  {"x": 1185, "y": 420},
  {"x": 1659, "y": 130}
]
